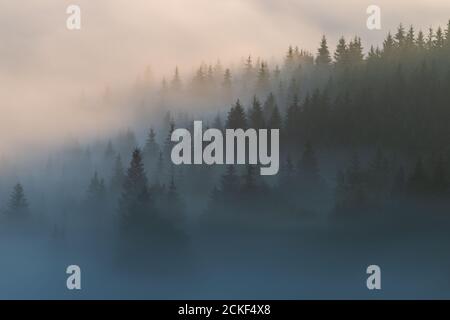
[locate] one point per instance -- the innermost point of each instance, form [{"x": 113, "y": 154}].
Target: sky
[{"x": 43, "y": 65}]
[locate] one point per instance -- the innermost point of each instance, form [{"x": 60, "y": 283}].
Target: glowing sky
[{"x": 42, "y": 63}]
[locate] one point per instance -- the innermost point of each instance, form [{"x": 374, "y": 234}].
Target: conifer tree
[
  {"x": 420, "y": 41},
  {"x": 430, "y": 39},
  {"x": 440, "y": 39},
  {"x": 263, "y": 78},
  {"x": 173, "y": 205},
  {"x": 96, "y": 192},
  {"x": 355, "y": 51},
  {"x": 289, "y": 60},
  {"x": 135, "y": 206},
  {"x": 109, "y": 151},
  {"x": 400, "y": 36},
  {"x": 341, "y": 53},
  {"x": 388, "y": 45},
  {"x": 410, "y": 38},
  {"x": 275, "y": 121},
  {"x": 236, "y": 117},
  {"x": 256, "y": 115},
  {"x": 292, "y": 117},
  {"x": 18, "y": 204},
  {"x": 176, "y": 81},
  {"x": 118, "y": 175},
  {"x": 151, "y": 148},
  {"x": 323, "y": 57}
]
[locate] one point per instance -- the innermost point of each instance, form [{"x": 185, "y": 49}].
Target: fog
[
  {"x": 86, "y": 175},
  {"x": 46, "y": 69}
]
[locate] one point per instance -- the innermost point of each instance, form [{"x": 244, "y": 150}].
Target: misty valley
[{"x": 339, "y": 160}]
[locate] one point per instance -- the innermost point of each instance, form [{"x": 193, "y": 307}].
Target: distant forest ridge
[{"x": 396, "y": 96}]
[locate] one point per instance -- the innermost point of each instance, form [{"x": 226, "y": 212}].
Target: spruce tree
[
  {"x": 341, "y": 53},
  {"x": 323, "y": 57},
  {"x": 256, "y": 116},
  {"x": 400, "y": 36},
  {"x": 96, "y": 192},
  {"x": 388, "y": 46},
  {"x": 420, "y": 41},
  {"x": 263, "y": 78},
  {"x": 236, "y": 117},
  {"x": 176, "y": 81},
  {"x": 109, "y": 151},
  {"x": 18, "y": 204},
  {"x": 440, "y": 39},
  {"x": 151, "y": 148},
  {"x": 135, "y": 206},
  {"x": 118, "y": 176},
  {"x": 275, "y": 121}
]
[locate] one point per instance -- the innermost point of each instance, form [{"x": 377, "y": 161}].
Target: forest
[{"x": 364, "y": 157}]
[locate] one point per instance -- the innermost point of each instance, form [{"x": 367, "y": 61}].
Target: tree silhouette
[
  {"x": 135, "y": 205},
  {"x": 18, "y": 204},
  {"x": 323, "y": 57},
  {"x": 236, "y": 117}
]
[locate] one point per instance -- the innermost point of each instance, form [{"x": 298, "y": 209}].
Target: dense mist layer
[
  {"x": 86, "y": 176},
  {"x": 45, "y": 69}
]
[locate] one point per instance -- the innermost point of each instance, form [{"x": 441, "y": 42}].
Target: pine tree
[
  {"x": 400, "y": 36},
  {"x": 430, "y": 39},
  {"x": 218, "y": 71},
  {"x": 447, "y": 35},
  {"x": 263, "y": 78},
  {"x": 268, "y": 106},
  {"x": 173, "y": 205},
  {"x": 248, "y": 66},
  {"x": 276, "y": 73},
  {"x": 292, "y": 115},
  {"x": 109, "y": 151},
  {"x": 96, "y": 192},
  {"x": 18, "y": 204},
  {"x": 388, "y": 45},
  {"x": 323, "y": 57},
  {"x": 176, "y": 81},
  {"x": 289, "y": 60},
  {"x": 440, "y": 39},
  {"x": 275, "y": 121},
  {"x": 227, "y": 79},
  {"x": 355, "y": 51},
  {"x": 135, "y": 206},
  {"x": 151, "y": 148},
  {"x": 118, "y": 176},
  {"x": 168, "y": 143},
  {"x": 227, "y": 86},
  {"x": 256, "y": 116},
  {"x": 409, "y": 41},
  {"x": 373, "y": 54},
  {"x": 236, "y": 117},
  {"x": 341, "y": 53},
  {"x": 420, "y": 42}
]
